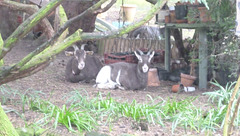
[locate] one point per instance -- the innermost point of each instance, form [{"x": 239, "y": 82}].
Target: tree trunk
[
  {"x": 6, "y": 127},
  {"x": 74, "y": 8},
  {"x": 179, "y": 43},
  {"x": 1, "y": 46}
]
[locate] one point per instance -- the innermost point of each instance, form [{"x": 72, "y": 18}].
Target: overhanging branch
[
  {"x": 27, "y": 25},
  {"x": 105, "y": 8},
  {"x": 30, "y": 9}
]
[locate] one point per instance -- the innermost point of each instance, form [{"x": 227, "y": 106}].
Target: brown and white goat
[
  {"x": 124, "y": 75},
  {"x": 82, "y": 67}
]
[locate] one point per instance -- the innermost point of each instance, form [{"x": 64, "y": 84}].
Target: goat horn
[
  {"x": 141, "y": 53},
  {"x": 83, "y": 46},
  {"x": 75, "y": 47}
]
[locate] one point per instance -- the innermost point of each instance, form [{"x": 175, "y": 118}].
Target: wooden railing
[{"x": 128, "y": 45}]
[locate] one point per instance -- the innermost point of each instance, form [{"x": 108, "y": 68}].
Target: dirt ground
[{"x": 51, "y": 81}]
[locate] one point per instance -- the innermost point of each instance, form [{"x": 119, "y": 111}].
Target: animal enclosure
[
  {"x": 121, "y": 49},
  {"x": 117, "y": 45}
]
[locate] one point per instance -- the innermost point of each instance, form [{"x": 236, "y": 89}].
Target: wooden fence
[{"x": 128, "y": 45}]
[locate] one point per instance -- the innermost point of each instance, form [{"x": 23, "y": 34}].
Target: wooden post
[
  {"x": 167, "y": 49},
  {"x": 203, "y": 61}
]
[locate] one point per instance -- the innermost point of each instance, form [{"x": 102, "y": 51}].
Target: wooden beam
[{"x": 203, "y": 61}]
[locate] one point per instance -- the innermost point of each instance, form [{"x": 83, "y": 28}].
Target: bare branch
[
  {"x": 24, "y": 73},
  {"x": 152, "y": 1},
  {"x": 105, "y": 8}
]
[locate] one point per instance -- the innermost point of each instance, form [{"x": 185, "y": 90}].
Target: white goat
[{"x": 126, "y": 75}]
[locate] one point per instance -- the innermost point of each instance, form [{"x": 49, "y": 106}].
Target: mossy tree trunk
[
  {"x": 1, "y": 46},
  {"x": 6, "y": 127}
]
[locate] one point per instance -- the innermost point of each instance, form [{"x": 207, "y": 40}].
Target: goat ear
[
  {"x": 150, "y": 55},
  {"x": 89, "y": 52},
  {"x": 69, "y": 53},
  {"x": 138, "y": 56}
]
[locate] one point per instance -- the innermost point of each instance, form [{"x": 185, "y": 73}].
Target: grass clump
[
  {"x": 73, "y": 116},
  {"x": 108, "y": 107},
  {"x": 83, "y": 113},
  {"x": 220, "y": 98}
]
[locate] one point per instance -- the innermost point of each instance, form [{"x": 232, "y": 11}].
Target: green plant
[
  {"x": 222, "y": 95},
  {"x": 73, "y": 116},
  {"x": 190, "y": 117},
  {"x": 171, "y": 107},
  {"x": 7, "y": 95},
  {"x": 193, "y": 15},
  {"x": 81, "y": 113},
  {"x": 37, "y": 104},
  {"x": 224, "y": 45}
]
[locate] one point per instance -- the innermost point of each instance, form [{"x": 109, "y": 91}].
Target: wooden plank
[
  {"x": 153, "y": 44},
  {"x": 111, "y": 44},
  {"x": 106, "y": 49},
  {"x": 118, "y": 47},
  {"x": 144, "y": 44},
  {"x": 101, "y": 47},
  {"x": 156, "y": 44},
  {"x": 129, "y": 45},
  {"x": 149, "y": 44},
  {"x": 109, "y": 48},
  {"x": 188, "y": 26},
  {"x": 132, "y": 45},
  {"x": 122, "y": 45},
  {"x": 136, "y": 44},
  {"x": 104, "y": 45},
  {"x": 126, "y": 45}
]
